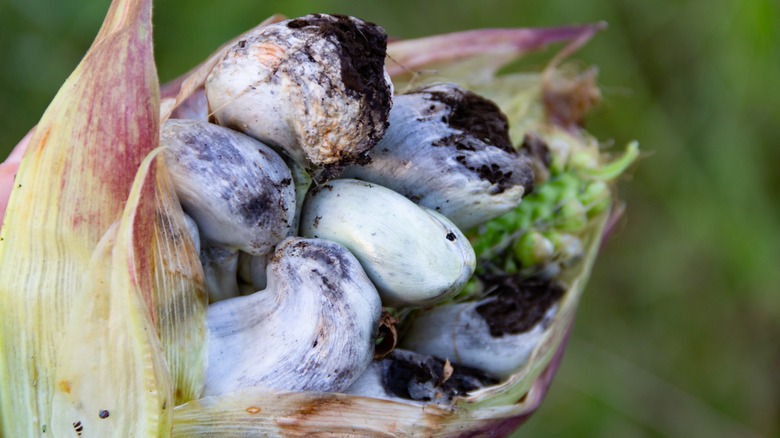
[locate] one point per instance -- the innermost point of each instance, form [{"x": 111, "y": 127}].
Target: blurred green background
[{"x": 679, "y": 330}]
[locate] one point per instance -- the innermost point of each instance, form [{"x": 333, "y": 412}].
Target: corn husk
[{"x": 102, "y": 303}]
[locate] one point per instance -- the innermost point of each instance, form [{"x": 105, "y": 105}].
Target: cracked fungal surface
[
  {"x": 448, "y": 149},
  {"x": 496, "y": 334},
  {"x": 314, "y": 86},
  {"x": 518, "y": 303}
]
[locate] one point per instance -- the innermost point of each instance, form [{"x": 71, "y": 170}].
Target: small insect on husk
[
  {"x": 311, "y": 329},
  {"x": 315, "y": 86},
  {"x": 413, "y": 255},
  {"x": 448, "y": 149}
]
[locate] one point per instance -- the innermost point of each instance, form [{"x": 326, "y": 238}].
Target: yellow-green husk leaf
[{"x": 111, "y": 376}]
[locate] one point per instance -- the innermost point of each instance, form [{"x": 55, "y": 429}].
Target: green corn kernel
[{"x": 533, "y": 249}]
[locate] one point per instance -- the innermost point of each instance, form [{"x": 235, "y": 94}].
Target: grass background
[{"x": 679, "y": 330}]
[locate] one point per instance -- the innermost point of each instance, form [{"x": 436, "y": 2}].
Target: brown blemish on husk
[
  {"x": 64, "y": 386},
  {"x": 43, "y": 142},
  {"x": 300, "y": 421}
]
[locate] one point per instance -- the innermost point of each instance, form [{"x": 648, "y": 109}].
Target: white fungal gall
[
  {"x": 314, "y": 86},
  {"x": 239, "y": 191},
  {"x": 458, "y": 332},
  {"x": 495, "y": 335},
  {"x": 413, "y": 255},
  {"x": 449, "y": 150},
  {"x": 311, "y": 329}
]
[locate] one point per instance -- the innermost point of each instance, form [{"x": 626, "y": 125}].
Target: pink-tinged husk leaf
[
  {"x": 8, "y": 169},
  {"x": 81, "y": 290},
  {"x": 533, "y": 400},
  {"x": 112, "y": 360},
  {"x": 476, "y": 56}
]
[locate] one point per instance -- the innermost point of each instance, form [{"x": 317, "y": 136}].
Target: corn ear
[
  {"x": 102, "y": 303},
  {"x": 472, "y": 60}
]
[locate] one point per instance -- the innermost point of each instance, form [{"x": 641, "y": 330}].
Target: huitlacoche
[
  {"x": 311, "y": 329},
  {"x": 449, "y": 150},
  {"x": 238, "y": 191},
  {"x": 495, "y": 335},
  {"x": 413, "y": 255},
  {"x": 314, "y": 86}
]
